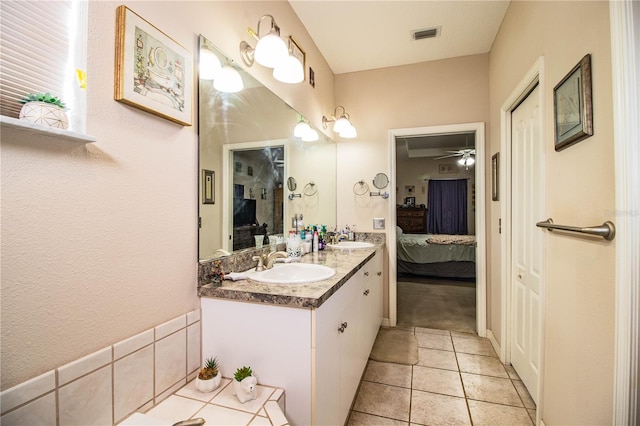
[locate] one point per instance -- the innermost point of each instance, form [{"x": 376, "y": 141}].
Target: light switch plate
[{"x": 378, "y": 223}]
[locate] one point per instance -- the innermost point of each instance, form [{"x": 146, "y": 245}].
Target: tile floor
[{"x": 459, "y": 380}]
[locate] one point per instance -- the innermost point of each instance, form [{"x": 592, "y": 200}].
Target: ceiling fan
[{"x": 464, "y": 153}]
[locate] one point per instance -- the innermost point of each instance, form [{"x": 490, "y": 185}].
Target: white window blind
[{"x": 42, "y": 44}]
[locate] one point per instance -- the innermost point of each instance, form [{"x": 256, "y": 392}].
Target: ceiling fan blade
[{"x": 447, "y": 156}]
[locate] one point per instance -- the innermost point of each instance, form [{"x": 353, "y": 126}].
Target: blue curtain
[{"x": 447, "y": 207}]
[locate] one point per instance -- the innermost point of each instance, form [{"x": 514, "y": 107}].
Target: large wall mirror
[{"x": 248, "y": 153}]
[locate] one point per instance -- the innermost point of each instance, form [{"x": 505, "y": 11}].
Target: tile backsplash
[{"x": 108, "y": 385}]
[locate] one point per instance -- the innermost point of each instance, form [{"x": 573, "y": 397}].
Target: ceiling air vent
[{"x": 426, "y": 33}]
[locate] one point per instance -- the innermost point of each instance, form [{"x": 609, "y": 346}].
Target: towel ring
[
  {"x": 310, "y": 189},
  {"x": 360, "y": 188}
]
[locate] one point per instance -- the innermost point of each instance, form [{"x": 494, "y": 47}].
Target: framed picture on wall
[
  {"x": 208, "y": 187},
  {"x": 495, "y": 177},
  {"x": 152, "y": 71},
  {"x": 410, "y": 201},
  {"x": 573, "y": 106}
]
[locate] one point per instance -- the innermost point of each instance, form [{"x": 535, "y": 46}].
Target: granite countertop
[{"x": 311, "y": 295}]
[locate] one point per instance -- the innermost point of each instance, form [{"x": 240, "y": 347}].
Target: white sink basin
[
  {"x": 351, "y": 245},
  {"x": 293, "y": 273}
]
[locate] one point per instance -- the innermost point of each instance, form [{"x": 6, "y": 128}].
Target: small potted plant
[
  {"x": 45, "y": 109},
  {"x": 209, "y": 377},
  {"x": 245, "y": 384}
]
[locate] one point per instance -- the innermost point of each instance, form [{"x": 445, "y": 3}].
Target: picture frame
[
  {"x": 298, "y": 53},
  {"x": 410, "y": 201},
  {"x": 495, "y": 177},
  {"x": 208, "y": 187},
  {"x": 573, "y": 106},
  {"x": 152, "y": 71}
]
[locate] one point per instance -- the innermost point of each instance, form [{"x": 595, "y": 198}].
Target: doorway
[{"x": 477, "y": 130}]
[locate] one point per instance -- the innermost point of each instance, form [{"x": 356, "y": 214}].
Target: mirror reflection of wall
[{"x": 255, "y": 115}]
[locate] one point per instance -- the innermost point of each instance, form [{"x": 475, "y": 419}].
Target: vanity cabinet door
[{"x": 372, "y": 303}]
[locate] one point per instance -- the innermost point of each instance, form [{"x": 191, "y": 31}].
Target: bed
[{"x": 448, "y": 256}]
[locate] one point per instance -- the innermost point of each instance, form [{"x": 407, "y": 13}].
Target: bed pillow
[{"x": 398, "y": 231}]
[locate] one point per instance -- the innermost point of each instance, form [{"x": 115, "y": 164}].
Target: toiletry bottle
[{"x": 315, "y": 241}]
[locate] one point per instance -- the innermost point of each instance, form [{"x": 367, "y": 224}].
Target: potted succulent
[
  {"x": 209, "y": 377},
  {"x": 245, "y": 384},
  {"x": 43, "y": 108}
]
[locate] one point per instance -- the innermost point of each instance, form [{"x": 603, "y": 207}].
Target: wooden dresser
[{"x": 412, "y": 220}]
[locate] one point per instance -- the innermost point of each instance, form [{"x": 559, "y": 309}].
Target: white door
[{"x": 527, "y": 208}]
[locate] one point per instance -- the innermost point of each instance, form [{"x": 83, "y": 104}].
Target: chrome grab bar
[{"x": 607, "y": 230}]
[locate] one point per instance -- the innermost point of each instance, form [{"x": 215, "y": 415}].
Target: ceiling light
[
  {"x": 342, "y": 125},
  {"x": 466, "y": 160},
  {"x": 228, "y": 80},
  {"x": 209, "y": 64}
]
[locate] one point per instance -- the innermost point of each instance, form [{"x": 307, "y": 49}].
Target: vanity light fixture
[
  {"x": 342, "y": 125},
  {"x": 228, "y": 80},
  {"x": 303, "y": 131},
  {"x": 272, "y": 51},
  {"x": 210, "y": 65}
]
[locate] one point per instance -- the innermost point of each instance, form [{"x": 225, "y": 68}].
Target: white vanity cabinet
[{"x": 317, "y": 355}]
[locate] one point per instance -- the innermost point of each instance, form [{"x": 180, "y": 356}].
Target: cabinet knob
[
  {"x": 379, "y": 273},
  {"x": 342, "y": 327},
  {"x": 366, "y": 274},
  {"x": 366, "y": 292}
]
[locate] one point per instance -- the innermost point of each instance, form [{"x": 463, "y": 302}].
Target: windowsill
[{"x": 39, "y": 131}]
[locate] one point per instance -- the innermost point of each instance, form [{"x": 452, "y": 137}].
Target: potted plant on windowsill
[
  {"x": 209, "y": 377},
  {"x": 45, "y": 109},
  {"x": 245, "y": 384}
]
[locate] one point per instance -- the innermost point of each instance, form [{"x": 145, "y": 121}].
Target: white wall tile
[
  {"x": 87, "y": 401},
  {"x": 82, "y": 366},
  {"x": 41, "y": 412},
  {"x": 171, "y": 360},
  {"x": 27, "y": 391},
  {"x": 193, "y": 347},
  {"x": 132, "y": 382},
  {"x": 132, "y": 344},
  {"x": 171, "y": 326},
  {"x": 193, "y": 316}
]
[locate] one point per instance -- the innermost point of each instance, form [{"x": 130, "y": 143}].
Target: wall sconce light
[
  {"x": 342, "y": 125},
  {"x": 303, "y": 131},
  {"x": 272, "y": 51},
  {"x": 225, "y": 78}
]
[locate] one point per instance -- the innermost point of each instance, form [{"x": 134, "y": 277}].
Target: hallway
[{"x": 458, "y": 380}]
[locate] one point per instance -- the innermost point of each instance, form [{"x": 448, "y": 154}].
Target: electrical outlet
[{"x": 378, "y": 223}]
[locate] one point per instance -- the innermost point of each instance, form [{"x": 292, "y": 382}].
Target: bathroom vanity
[{"x": 311, "y": 339}]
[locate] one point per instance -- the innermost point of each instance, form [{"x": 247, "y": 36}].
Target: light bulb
[
  {"x": 209, "y": 64},
  {"x": 349, "y": 132},
  {"x": 271, "y": 50},
  {"x": 228, "y": 80},
  {"x": 290, "y": 70},
  {"x": 341, "y": 125},
  {"x": 301, "y": 129}
]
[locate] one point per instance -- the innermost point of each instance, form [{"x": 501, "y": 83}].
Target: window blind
[{"x": 42, "y": 43}]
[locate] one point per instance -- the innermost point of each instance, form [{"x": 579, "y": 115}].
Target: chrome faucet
[{"x": 272, "y": 258}]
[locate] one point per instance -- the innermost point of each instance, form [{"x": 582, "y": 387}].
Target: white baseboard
[{"x": 494, "y": 342}]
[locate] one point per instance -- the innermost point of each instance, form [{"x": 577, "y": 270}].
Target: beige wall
[
  {"x": 579, "y": 279},
  {"x": 99, "y": 242},
  {"x": 449, "y": 91}
]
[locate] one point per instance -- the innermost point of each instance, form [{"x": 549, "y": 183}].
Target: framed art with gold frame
[{"x": 152, "y": 71}]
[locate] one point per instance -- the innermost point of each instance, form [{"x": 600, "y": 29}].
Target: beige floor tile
[
  {"x": 432, "y": 331},
  {"x": 437, "y": 381},
  {"x": 406, "y": 328},
  {"x": 476, "y": 345},
  {"x": 437, "y": 359},
  {"x": 388, "y": 373},
  {"x": 463, "y": 334},
  {"x": 513, "y": 374},
  {"x": 434, "y": 341},
  {"x": 362, "y": 419},
  {"x": 532, "y": 414},
  {"x": 490, "y": 389},
  {"x": 434, "y": 409},
  {"x": 383, "y": 400},
  {"x": 484, "y": 413},
  {"x": 524, "y": 394},
  {"x": 481, "y": 364}
]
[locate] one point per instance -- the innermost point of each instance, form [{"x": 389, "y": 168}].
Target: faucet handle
[{"x": 260, "y": 265}]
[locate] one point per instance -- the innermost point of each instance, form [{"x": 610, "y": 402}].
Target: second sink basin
[
  {"x": 293, "y": 273},
  {"x": 351, "y": 245}
]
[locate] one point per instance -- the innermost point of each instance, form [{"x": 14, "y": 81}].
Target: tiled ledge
[
  {"x": 219, "y": 407},
  {"x": 108, "y": 385}
]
